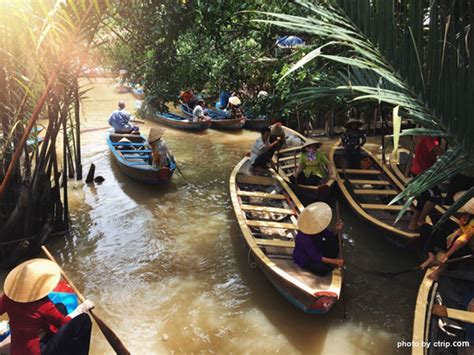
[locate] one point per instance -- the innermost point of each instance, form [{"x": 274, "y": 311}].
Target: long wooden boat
[
  {"x": 180, "y": 122},
  {"x": 287, "y": 159},
  {"x": 252, "y": 122},
  {"x": 267, "y": 212},
  {"x": 369, "y": 191},
  {"x": 218, "y": 121},
  {"x": 450, "y": 295},
  {"x": 133, "y": 158}
]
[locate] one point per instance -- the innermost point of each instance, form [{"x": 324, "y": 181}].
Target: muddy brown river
[{"x": 169, "y": 272}]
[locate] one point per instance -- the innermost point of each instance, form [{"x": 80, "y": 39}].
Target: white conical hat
[
  {"x": 468, "y": 206},
  {"x": 315, "y": 218},
  {"x": 234, "y": 100},
  {"x": 155, "y": 134},
  {"x": 32, "y": 280}
]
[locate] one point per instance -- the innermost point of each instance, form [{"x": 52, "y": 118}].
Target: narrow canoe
[
  {"x": 450, "y": 294},
  {"x": 218, "y": 121},
  {"x": 180, "y": 122},
  {"x": 253, "y": 123},
  {"x": 287, "y": 161},
  {"x": 368, "y": 191},
  {"x": 267, "y": 212},
  {"x": 133, "y": 158}
]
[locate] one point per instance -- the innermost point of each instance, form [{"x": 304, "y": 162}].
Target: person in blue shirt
[
  {"x": 120, "y": 120},
  {"x": 317, "y": 247}
]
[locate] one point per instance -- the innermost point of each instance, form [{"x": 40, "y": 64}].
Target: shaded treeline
[{"x": 44, "y": 46}]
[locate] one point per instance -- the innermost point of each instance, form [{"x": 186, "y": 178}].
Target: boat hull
[{"x": 181, "y": 122}]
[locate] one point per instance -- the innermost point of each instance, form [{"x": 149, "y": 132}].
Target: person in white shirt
[
  {"x": 198, "y": 113},
  {"x": 262, "y": 150}
]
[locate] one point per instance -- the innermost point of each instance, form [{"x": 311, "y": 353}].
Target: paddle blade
[{"x": 111, "y": 337}]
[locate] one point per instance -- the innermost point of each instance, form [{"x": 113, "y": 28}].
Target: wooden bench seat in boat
[
  {"x": 128, "y": 156},
  {"x": 126, "y": 143},
  {"x": 375, "y": 192},
  {"x": 289, "y": 158},
  {"x": 267, "y": 209},
  {"x": 148, "y": 151},
  {"x": 275, "y": 243},
  {"x": 376, "y": 206},
  {"x": 288, "y": 166},
  {"x": 261, "y": 195},
  {"x": 369, "y": 182},
  {"x": 291, "y": 149},
  {"x": 360, "y": 171},
  {"x": 256, "y": 180},
  {"x": 272, "y": 224}
]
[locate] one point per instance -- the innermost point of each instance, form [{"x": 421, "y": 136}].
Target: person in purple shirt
[{"x": 316, "y": 247}]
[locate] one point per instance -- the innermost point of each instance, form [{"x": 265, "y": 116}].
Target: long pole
[
  {"x": 109, "y": 334},
  {"x": 77, "y": 114},
  {"x": 341, "y": 256}
]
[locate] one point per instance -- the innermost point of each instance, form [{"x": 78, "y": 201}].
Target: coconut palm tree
[{"x": 413, "y": 55}]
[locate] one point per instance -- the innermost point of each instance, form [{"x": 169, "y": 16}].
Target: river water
[{"x": 169, "y": 272}]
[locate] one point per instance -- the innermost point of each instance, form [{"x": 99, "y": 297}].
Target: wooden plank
[
  {"x": 261, "y": 195},
  {"x": 291, "y": 157},
  {"x": 375, "y": 206},
  {"x": 127, "y": 156},
  {"x": 275, "y": 243},
  {"x": 452, "y": 313},
  {"x": 256, "y": 180},
  {"x": 148, "y": 151},
  {"x": 271, "y": 224},
  {"x": 369, "y": 182},
  {"x": 290, "y": 149},
  {"x": 288, "y": 166},
  {"x": 267, "y": 209},
  {"x": 375, "y": 192},
  {"x": 360, "y": 171}
]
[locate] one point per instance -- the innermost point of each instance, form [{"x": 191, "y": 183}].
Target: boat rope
[{"x": 251, "y": 260}]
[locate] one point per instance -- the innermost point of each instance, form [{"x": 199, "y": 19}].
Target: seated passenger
[
  {"x": 235, "y": 107},
  {"x": 277, "y": 131},
  {"x": 120, "y": 120},
  {"x": 223, "y": 99},
  {"x": 262, "y": 150},
  {"x": 459, "y": 243},
  {"x": 316, "y": 247},
  {"x": 313, "y": 163},
  {"x": 31, "y": 312},
  {"x": 353, "y": 138},
  {"x": 160, "y": 152},
  {"x": 199, "y": 112}
]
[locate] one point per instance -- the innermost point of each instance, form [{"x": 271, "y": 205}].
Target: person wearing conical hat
[
  {"x": 317, "y": 247},
  {"x": 236, "y": 109},
  {"x": 458, "y": 243},
  {"x": 31, "y": 312},
  {"x": 313, "y": 166},
  {"x": 120, "y": 120},
  {"x": 160, "y": 152},
  {"x": 353, "y": 138}
]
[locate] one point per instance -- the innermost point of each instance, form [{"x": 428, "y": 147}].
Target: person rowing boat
[{"x": 31, "y": 312}]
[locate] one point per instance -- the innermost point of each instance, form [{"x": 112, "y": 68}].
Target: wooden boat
[
  {"x": 287, "y": 160},
  {"x": 133, "y": 158},
  {"x": 252, "y": 122},
  {"x": 369, "y": 191},
  {"x": 180, "y": 122},
  {"x": 448, "y": 297},
  {"x": 218, "y": 121},
  {"x": 138, "y": 93},
  {"x": 267, "y": 212}
]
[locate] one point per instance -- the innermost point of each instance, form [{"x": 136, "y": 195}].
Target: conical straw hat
[
  {"x": 32, "y": 280},
  {"x": 155, "y": 134},
  {"x": 234, "y": 100},
  {"x": 315, "y": 218},
  {"x": 312, "y": 142},
  {"x": 468, "y": 206}
]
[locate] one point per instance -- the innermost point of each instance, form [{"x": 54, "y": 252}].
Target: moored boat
[
  {"x": 286, "y": 160},
  {"x": 133, "y": 158},
  {"x": 218, "y": 121},
  {"x": 267, "y": 211},
  {"x": 442, "y": 318},
  {"x": 180, "y": 122},
  {"x": 369, "y": 191}
]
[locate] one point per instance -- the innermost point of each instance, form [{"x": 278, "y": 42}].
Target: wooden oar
[
  {"x": 391, "y": 274},
  {"x": 339, "y": 237},
  {"x": 109, "y": 334}
]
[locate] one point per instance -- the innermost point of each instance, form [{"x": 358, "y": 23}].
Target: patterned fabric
[
  {"x": 315, "y": 163},
  {"x": 353, "y": 139}
]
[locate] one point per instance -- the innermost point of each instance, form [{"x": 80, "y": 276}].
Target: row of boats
[
  {"x": 219, "y": 120},
  {"x": 267, "y": 207}
]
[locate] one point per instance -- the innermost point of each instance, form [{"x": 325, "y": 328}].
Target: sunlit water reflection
[{"x": 168, "y": 270}]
